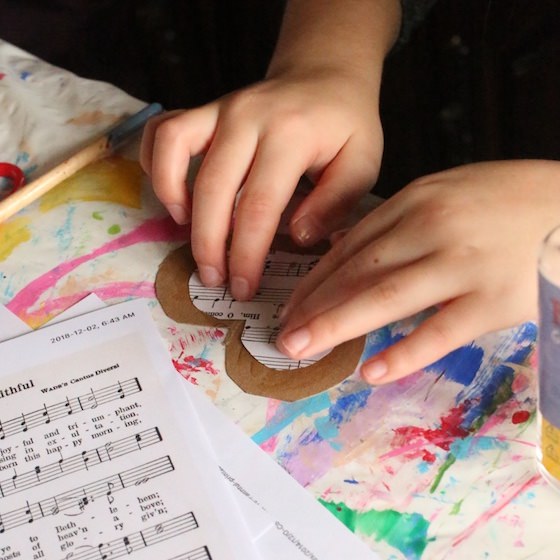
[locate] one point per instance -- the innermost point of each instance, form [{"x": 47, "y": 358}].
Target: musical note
[
  {"x": 124, "y": 546},
  {"x": 126, "y": 542},
  {"x": 23, "y": 423},
  {"x": 68, "y": 406},
  {"x": 83, "y": 503},
  {"x": 50, "y": 413},
  {"x": 29, "y": 514},
  {"x": 109, "y": 494},
  {"x": 54, "y": 510},
  {"x": 83, "y": 460},
  {"x": 100, "y": 548},
  {"x": 46, "y": 415},
  {"x": 109, "y": 448},
  {"x": 92, "y": 400}
]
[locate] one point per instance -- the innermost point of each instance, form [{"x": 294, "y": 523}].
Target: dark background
[{"x": 478, "y": 80}]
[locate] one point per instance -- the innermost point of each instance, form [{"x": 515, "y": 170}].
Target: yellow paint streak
[
  {"x": 92, "y": 117},
  {"x": 13, "y": 233},
  {"x": 113, "y": 179},
  {"x": 550, "y": 442}
]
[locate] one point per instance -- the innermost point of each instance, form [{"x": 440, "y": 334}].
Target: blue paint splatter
[
  {"x": 343, "y": 408},
  {"x": 288, "y": 412},
  {"x": 461, "y": 365},
  {"x": 24, "y": 75},
  {"x": 470, "y": 446},
  {"x": 64, "y": 234}
]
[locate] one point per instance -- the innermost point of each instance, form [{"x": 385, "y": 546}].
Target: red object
[{"x": 14, "y": 174}]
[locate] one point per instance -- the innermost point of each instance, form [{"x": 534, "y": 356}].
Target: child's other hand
[
  {"x": 260, "y": 141},
  {"x": 465, "y": 240}
]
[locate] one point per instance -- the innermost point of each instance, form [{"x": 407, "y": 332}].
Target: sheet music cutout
[{"x": 262, "y": 314}]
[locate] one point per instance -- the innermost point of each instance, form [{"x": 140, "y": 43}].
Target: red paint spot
[
  {"x": 428, "y": 457},
  {"x": 520, "y": 416},
  {"x": 2, "y": 75},
  {"x": 449, "y": 430}
]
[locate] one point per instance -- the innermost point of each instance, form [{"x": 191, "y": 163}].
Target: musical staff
[
  {"x": 201, "y": 553},
  {"x": 260, "y": 334},
  {"x": 283, "y": 362},
  {"x": 142, "y": 539},
  {"x": 82, "y": 461},
  {"x": 79, "y": 498},
  {"x": 288, "y": 269},
  {"x": 272, "y": 295},
  {"x": 47, "y": 414}
]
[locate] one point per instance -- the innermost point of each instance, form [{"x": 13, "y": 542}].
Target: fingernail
[
  {"x": 373, "y": 371},
  {"x": 240, "y": 288},
  {"x": 307, "y": 230},
  {"x": 210, "y": 276},
  {"x": 178, "y": 213},
  {"x": 296, "y": 341}
]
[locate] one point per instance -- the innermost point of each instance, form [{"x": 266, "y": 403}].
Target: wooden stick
[{"x": 99, "y": 149}]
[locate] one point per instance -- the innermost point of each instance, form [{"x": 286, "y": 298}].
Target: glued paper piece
[
  {"x": 173, "y": 293},
  {"x": 261, "y": 314}
]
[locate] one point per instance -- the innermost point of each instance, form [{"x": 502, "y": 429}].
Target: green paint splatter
[
  {"x": 456, "y": 508},
  {"x": 442, "y": 470},
  {"x": 114, "y": 229},
  {"x": 407, "y": 532},
  {"x": 97, "y": 216}
]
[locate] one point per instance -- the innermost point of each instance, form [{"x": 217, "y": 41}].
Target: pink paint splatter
[
  {"x": 515, "y": 490},
  {"x": 189, "y": 366},
  {"x": 154, "y": 230},
  {"x": 520, "y": 383},
  {"x": 270, "y": 444},
  {"x": 113, "y": 290},
  {"x": 2, "y": 75}
]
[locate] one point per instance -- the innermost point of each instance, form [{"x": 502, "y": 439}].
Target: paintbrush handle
[
  {"x": 93, "y": 152},
  {"x": 34, "y": 190}
]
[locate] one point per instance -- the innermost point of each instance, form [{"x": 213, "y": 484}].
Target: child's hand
[
  {"x": 466, "y": 240},
  {"x": 262, "y": 140}
]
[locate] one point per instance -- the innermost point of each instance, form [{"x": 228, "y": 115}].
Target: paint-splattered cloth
[{"x": 438, "y": 465}]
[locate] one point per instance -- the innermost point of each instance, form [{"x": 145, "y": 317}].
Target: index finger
[
  {"x": 372, "y": 227},
  {"x": 175, "y": 141}
]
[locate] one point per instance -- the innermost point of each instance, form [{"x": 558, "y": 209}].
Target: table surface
[{"x": 438, "y": 465}]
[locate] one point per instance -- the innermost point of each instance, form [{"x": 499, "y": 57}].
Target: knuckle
[
  {"x": 203, "y": 248},
  {"x": 168, "y": 130},
  {"x": 386, "y": 293},
  {"x": 326, "y": 328},
  {"x": 441, "y": 335},
  {"x": 256, "y": 208}
]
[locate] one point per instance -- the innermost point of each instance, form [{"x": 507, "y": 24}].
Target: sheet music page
[
  {"x": 95, "y": 462},
  {"x": 10, "y": 325}
]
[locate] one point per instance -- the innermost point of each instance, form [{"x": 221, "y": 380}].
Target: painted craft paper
[{"x": 438, "y": 465}]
